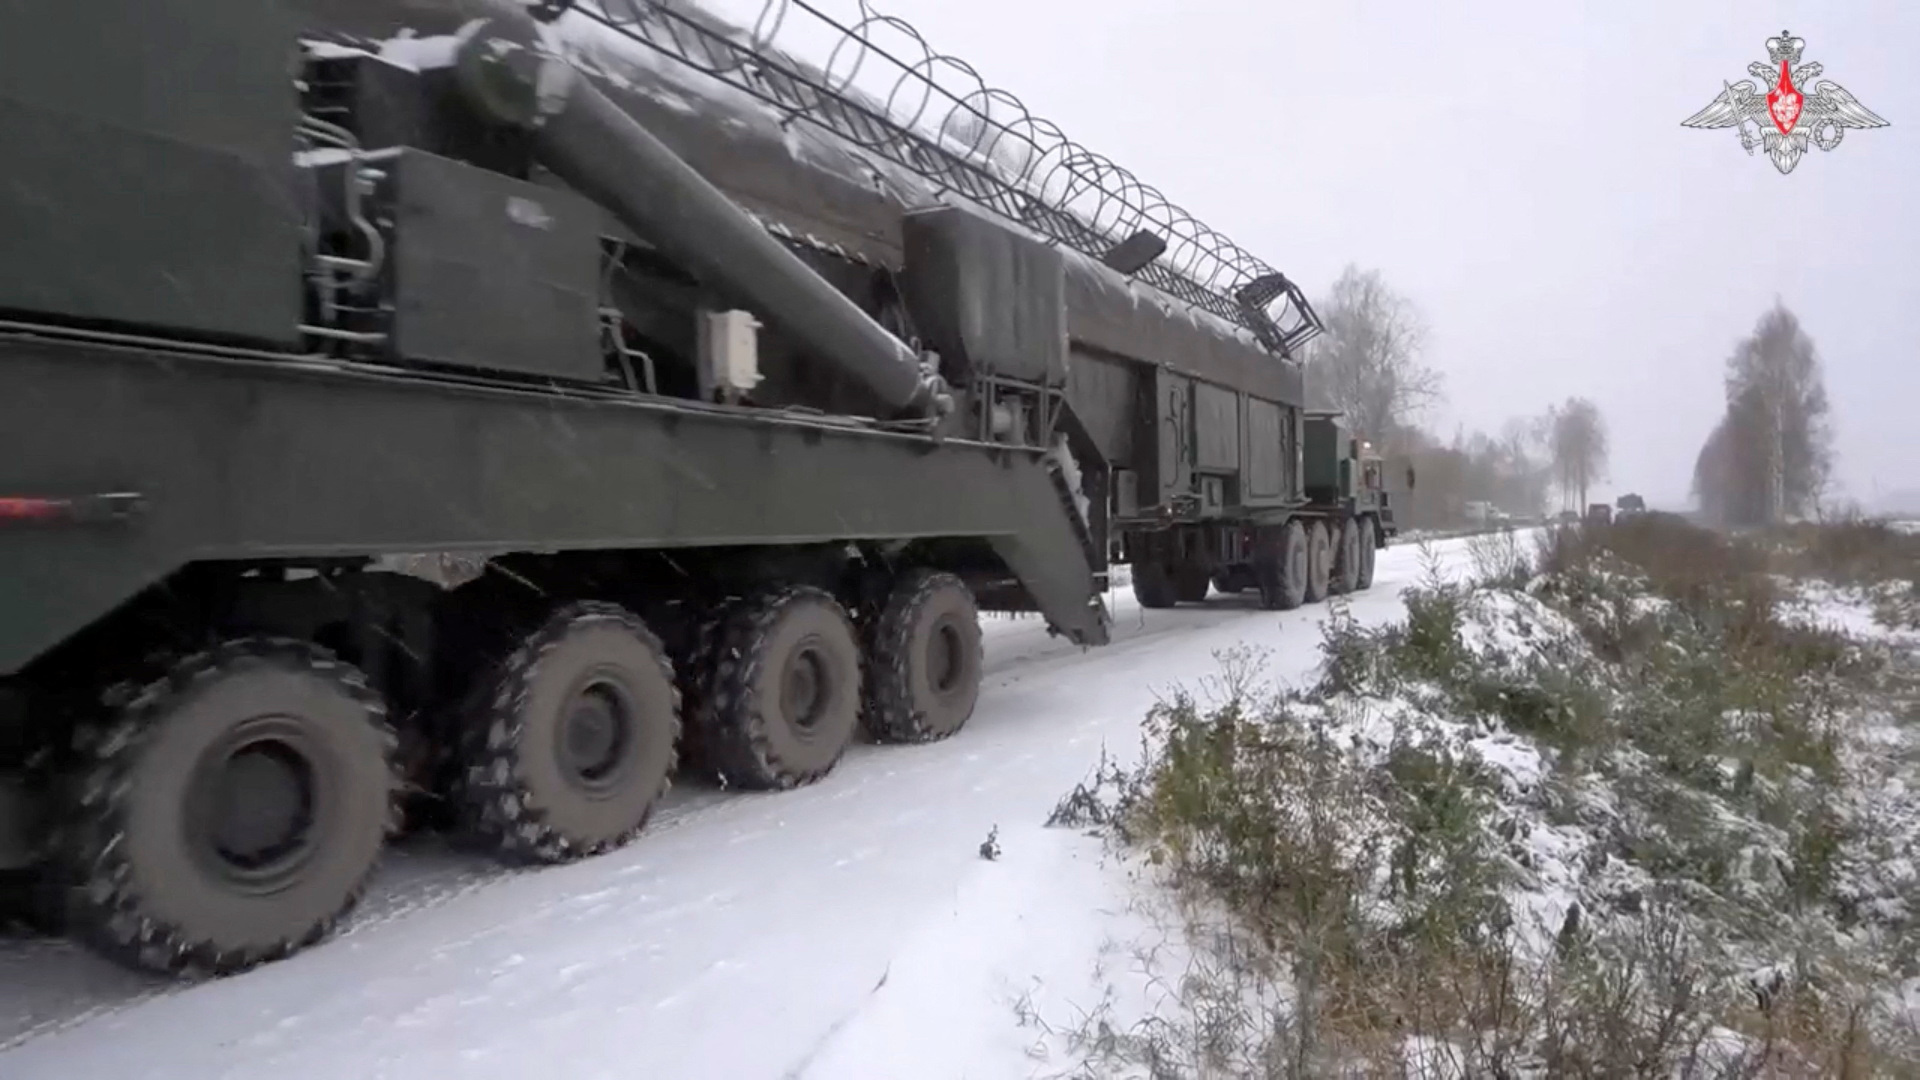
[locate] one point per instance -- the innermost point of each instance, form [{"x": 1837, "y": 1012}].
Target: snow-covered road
[{"x": 738, "y": 939}]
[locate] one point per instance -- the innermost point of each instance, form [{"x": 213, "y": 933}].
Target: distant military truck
[
  {"x": 1630, "y": 504},
  {"x": 1599, "y": 514},
  {"x": 1291, "y": 548}
]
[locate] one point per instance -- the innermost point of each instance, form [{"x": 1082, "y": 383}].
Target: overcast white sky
[{"x": 1519, "y": 170}]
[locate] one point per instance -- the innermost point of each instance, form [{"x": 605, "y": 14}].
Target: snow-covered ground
[{"x": 847, "y": 930}]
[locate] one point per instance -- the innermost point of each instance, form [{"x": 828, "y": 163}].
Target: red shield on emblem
[{"x": 1783, "y": 102}]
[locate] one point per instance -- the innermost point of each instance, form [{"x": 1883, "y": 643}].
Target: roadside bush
[
  {"x": 1676, "y": 760},
  {"x": 1856, "y": 551},
  {"x": 1862, "y": 555}
]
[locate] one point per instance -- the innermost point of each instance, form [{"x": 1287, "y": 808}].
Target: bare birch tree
[
  {"x": 1579, "y": 446},
  {"x": 1770, "y": 456},
  {"x": 1367, "y": 364}
]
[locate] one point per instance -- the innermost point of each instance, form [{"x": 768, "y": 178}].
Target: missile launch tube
[{"x": 511, "y": 75}]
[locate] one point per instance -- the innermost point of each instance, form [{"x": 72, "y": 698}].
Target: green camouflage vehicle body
[{"x": 473, "y": 445}]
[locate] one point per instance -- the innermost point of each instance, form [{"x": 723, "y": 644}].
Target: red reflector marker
[
  {"x": 34, "y": 509},
  {"x": 117, "y": 506}
]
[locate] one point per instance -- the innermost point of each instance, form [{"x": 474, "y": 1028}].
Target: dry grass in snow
[{"x": 1636, "y": 801}]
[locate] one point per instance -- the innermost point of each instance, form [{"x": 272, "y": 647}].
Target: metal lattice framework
[{"x": 934, "y": 115}]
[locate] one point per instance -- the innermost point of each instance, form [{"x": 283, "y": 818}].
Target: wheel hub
[
  {"x": 595, "y": 733},
  {"x": 253, "y": 804},
  {"x": 944, "y": 665},
  {"x": 806, "y": 685}
]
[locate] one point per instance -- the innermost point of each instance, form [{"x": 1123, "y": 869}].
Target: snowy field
[{"x": 847, "y": 930}]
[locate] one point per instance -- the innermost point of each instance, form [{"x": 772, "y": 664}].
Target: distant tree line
[
  {"x": 1770, "y": 457},
  {"x": 1369, "y": 365}
]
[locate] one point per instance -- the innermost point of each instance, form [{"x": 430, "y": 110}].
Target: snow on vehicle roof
[
  {"x": 888, "y": 125},
  {"x": 879, "y": 120}
]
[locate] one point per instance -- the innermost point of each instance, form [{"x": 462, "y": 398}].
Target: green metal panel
[
  {"x": 242, "y": 459},
  {"x": 478, "y": 286},
  {"x": 1328, "y": 445},
  {"x": 1173, "y": 409},
  {"x": 1266, "y": 450},
  {"x": 1216, "y": 427},
  {"x": 990, "y": 299},
  {"x": 1104, "y": 391},
  {"x": 149, "y": 165}
]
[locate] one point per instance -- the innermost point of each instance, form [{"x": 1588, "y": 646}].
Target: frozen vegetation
[{"x": 1638, "y": 802}]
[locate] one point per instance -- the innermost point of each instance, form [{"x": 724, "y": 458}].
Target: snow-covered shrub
[
  {"x": 1611, "y": 810},
  {"x": 1499, "y": 559},
  {"x": 1874, "y": 560},
  {"x": 1356, "y": 841}
]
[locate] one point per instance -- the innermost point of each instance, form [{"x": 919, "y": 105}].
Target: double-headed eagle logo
[{"x": 1786, "y": 118}]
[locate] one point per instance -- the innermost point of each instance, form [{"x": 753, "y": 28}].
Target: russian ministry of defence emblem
[{"x": 1786, "y": 118}]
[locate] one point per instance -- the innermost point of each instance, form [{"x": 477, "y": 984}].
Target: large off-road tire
[
  {"x": 1347, "y": 558},
  {"x": 1190, "y": 583},
  {"x": 1154, "y": 584},
  {"x": 233, "y": 811},
  {"x": 1369, "y": 550},
  {"x": 923, "y": 660},
  {"x": 1319, "y": 561},
  {"x": 783, "y": 694},
  {"x": 1280, "y": 569},
  {"x": 570, "y": 743}
]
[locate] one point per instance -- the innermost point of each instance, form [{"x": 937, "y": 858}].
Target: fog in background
[{"x": 1519, "y": 171}]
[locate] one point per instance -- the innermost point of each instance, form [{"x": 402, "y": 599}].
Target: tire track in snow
[{"x": 49, "y": 987}]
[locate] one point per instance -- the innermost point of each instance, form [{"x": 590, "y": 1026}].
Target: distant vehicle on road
[{"x": 1480, "y": 512}]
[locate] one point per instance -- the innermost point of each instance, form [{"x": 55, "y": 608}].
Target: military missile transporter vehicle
[{"x": 410, "y": 417}]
